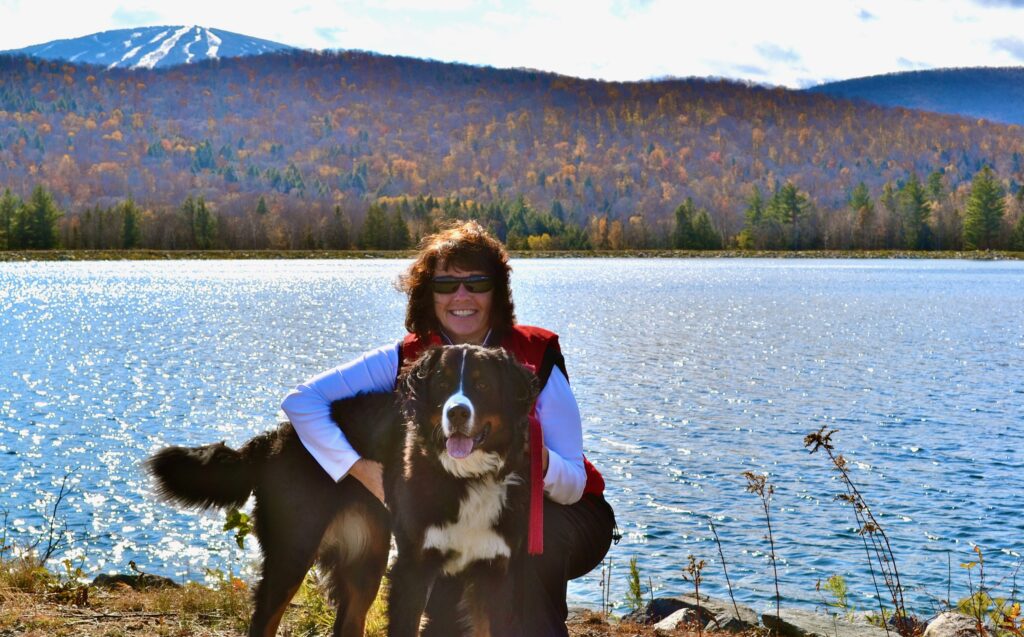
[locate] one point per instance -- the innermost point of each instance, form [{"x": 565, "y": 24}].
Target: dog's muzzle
[{"x": 457, "y": 415}]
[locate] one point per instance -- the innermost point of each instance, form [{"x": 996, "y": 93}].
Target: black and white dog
[{"x": 452, "y": 441}]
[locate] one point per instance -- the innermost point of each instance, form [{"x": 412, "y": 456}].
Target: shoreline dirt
[{"x": 121, "y": 612}]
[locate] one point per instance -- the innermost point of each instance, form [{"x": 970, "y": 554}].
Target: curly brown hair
[{"x": 464, "y": 246}]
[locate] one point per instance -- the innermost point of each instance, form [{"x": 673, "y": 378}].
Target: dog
[{"x": 451, "y": 440}]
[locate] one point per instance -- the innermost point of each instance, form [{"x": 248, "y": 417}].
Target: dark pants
[{"x": 576, "y": 539}]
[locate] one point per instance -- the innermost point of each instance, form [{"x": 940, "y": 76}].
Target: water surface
[{"x": 688, "y": 373}]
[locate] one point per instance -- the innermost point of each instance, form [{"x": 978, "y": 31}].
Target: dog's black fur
[{"x": 302, "y": 516}]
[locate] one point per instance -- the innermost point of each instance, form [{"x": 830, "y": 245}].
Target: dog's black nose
[{"x": 458, "y": 415}]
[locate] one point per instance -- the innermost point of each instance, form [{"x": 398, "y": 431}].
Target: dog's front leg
[
  {"x": 411, "y": 582},
  {"x": 489, "y": 600}
]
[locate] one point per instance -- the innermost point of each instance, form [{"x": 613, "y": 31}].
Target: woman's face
[{"x": 464, "y": 316}]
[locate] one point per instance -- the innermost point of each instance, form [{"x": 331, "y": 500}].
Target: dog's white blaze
[
  {"x": 471, "y": 537},
  {"x": 478, "y": 463},
  {"x": 457, "y": 399},
  {"x": 348, "y": 537}
]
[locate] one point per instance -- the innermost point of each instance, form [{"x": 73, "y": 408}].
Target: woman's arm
[
  {"x": 563, "y": 436},
  {"x": 308, "y": 406}
]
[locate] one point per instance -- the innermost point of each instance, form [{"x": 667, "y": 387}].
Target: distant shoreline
[{"x": 165, "y": 255}]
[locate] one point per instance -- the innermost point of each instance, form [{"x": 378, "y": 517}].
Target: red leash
[{"x": 535, "y": 537}]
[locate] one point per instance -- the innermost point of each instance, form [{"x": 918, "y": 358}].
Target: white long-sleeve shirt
[{"x": 308, "y": 407}]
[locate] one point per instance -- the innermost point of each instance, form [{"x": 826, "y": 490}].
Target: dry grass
[
  {"x": 123, "y": 613},
  {"x": 35, "y": 602},
  {"x": 199, "y": 611}
]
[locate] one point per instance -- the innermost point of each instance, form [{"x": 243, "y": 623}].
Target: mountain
[
  {"x": 151, "y": 47},
  {"x": 995, "y": 94},
  {"x": 283, "y": 147}
]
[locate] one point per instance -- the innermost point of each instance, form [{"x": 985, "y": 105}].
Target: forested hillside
[{"x": 300, "y": 150}]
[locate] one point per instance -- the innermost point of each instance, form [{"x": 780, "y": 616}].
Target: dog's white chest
[{"x": 472, "y": 537}]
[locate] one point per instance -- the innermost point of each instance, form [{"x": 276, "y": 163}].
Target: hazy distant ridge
[{"x": 995, "y": 94}]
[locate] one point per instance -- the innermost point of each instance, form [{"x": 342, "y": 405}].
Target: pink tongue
[{"x": 459, "y": 446}]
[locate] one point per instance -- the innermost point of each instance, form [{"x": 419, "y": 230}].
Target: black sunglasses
[{"x": 477, "y": 284}]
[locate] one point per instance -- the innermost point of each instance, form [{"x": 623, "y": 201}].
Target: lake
[{"x": 688, "y": 373}]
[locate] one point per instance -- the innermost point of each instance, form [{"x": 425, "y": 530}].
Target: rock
[
  {"x": 802, "y": 623},
  {"x": 715, "y": 614},
  {"x": 720, "y": 614},
  {"x": 950, "y": 624},
  {"x": 140, "y": 582},
  {"x": 656, "y": 610},
  {"x": 682, "y": 617}
]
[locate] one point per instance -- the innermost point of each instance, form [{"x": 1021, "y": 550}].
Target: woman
[{"x": 458, "y": 290}]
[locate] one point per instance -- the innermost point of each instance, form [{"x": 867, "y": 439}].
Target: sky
[{"x": 793, "y": 43}]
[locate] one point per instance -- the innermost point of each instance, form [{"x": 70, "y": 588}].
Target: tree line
[
  {"x": 910, "y": 215},
  {"x": 313, "y": 132}
]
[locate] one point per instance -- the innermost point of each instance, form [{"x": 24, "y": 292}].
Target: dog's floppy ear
[{"x": 412, "y": 383}]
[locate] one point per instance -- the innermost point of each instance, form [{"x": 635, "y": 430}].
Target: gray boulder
[
  {"x": 802, "y": 623},
  {"x": 656, "y": 610},
  {"x": 950, "y": 624},
  {"x": 682, "y": 617},
  {"x": 712, "y": 613},
  {"x": 722, "y": 614}
]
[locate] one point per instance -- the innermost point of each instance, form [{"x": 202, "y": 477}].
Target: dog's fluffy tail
[{"x": 209, "y": 476}]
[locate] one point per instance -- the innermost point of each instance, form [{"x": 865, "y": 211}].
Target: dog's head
[{"x": 469, "y": 405}]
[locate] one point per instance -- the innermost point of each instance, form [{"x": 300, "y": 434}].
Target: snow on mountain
[{"x": 152, "y": 47}]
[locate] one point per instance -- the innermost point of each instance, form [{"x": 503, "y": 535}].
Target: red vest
[{"x": 536, "y": 349}]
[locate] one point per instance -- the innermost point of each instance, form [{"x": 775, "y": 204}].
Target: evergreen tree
[
  {"x": 261, "y": 206},
  {"x": 130, "y": 225},
  {"x": 516, "y": 222},
  {"x": 753, "y": 217},
  {"x": 984, "y": 214},
  {"x": 789, "y": 206},
  {"x": 693, "y": 229},
  {"x": 864, "y": 214},
  {"x": 293, "y": 179},
  {"x": 683, "y": 237},
  {"x": 203, "y": 158},
  {"x": 10, "y": 205},
  {"x": 1017, "y": 239},
  {"x": 890, "y": 225},
  {"x": 914, "y": 211},
  {"x": 35, "y": 224},
  {"x": 936, "y": 191},
  {"x": 201, "y": 223},
  {"x": 755, "y": 207},
  {"x": 205, "y": 226},
  {"x": 340, "y": 230},
  {"x": 704, "y": 233},
  {"x": 374, "y": 234},
  {"x": 557, "y": 211},
  {"x": 398, "y": 231}
]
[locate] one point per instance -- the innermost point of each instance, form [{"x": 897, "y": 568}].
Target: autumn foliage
[{"x": 301, "y": 150}]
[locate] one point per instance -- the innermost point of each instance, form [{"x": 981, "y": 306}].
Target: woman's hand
[{"x": 371, "y": 475}]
